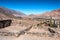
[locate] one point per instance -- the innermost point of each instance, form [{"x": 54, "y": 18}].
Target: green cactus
[
  {"x": 51, "y": 22},
  {"x": 54, "y": 22},
  {"x": 59, "y": 24}
]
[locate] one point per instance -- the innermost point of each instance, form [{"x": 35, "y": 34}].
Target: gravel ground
[{"x": 27, "y": 37}]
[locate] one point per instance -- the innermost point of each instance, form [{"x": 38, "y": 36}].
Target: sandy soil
[{"x": 28, "y": 37}]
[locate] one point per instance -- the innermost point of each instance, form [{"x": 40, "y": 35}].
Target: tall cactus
[
  {"x": 54, "y": 22},
  {"x": 51, "y": 22},
  {"x": 59, "y": 25}
]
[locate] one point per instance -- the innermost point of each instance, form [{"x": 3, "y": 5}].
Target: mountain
[
  {"x": 55, "y": 14},
  {"x": 5, "y": 12}
]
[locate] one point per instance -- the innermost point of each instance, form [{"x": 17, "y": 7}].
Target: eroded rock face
[{"x": 5, "y": 23}]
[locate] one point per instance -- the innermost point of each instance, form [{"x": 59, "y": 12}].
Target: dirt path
[
  {"x": 29, "y": 37},
  {"x": 26, "y": 36}
]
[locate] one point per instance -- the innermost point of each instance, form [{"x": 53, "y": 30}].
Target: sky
[{"x": 31, "y": 6}]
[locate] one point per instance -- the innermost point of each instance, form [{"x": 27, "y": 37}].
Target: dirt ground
[{"x": 28, "y": 37}]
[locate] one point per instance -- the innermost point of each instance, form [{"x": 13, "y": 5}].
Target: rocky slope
[{"x": 8, "y": 13}]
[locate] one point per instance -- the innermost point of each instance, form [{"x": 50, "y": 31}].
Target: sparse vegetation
[
  {"x": 59, "y": 24},
  {"x": 39, "y": 25},
  {"x": 51, "y": 22}
]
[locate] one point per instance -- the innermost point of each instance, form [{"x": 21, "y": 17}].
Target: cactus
[
  {"x": 51, "y": 22},
  {"x": 59, "y": 24},
  {"x": 54, "y": 22},
  {"x": 54, "y": 25}
]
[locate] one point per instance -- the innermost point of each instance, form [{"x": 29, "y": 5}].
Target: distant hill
[
  {"x": 9, "y": 13},
  {"x": 54, "y": 13}
]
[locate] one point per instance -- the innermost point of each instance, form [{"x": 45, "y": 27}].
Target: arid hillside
[
  {"x": 54, "y": 13},
  {"x": 32, "y": 27},
  {"x": 8, "y": 13}
]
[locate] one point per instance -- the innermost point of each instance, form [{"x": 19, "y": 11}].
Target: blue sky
[{"x": 31, "y": 6}]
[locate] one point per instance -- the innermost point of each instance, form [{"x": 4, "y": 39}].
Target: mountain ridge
[
  {"x": 9, "y": 13},
  {"x": 54, "y": 13}
]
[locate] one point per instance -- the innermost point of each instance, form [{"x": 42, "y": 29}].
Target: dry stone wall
[{"x": 5, "y": 23}]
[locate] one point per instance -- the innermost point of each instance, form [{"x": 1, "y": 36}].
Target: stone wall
[{"x": 5, "y": 23}]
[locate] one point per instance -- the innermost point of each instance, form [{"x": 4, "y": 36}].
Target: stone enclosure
[{"x": 5, "y": 23}]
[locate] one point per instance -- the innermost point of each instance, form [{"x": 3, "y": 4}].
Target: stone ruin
[{"x": 5, "y": 23}]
